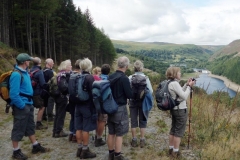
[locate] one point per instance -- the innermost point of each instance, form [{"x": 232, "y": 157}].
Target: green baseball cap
[{"x": 22, "y": 57}]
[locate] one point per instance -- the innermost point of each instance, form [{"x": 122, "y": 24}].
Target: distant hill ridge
[{"x": 231, "y": 48}]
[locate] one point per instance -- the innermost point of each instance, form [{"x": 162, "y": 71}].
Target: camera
[{"x": 193, "y": 79}]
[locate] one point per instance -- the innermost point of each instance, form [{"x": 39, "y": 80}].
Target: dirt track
[{"x": 61, "y": 148}]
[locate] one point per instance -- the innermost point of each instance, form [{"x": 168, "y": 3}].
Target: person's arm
[
  {"x": 15, "y": 82},
  {"x": 175, "y": 87}
]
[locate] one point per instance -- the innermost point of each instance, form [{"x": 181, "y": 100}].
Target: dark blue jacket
[{"x": 39, "y": 77}]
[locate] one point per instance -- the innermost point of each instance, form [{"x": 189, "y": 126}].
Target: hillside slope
[{"x": 233, "y": 47}]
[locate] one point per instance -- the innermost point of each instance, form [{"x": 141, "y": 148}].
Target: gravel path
[{"x": 62, "y": 149}]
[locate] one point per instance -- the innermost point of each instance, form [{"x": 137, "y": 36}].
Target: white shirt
[{"x": 182, "y": 92}]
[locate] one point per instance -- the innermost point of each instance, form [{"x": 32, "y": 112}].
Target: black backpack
[
  {"x": 139, "y": 85},
  {"x": 163, "y": 98}
]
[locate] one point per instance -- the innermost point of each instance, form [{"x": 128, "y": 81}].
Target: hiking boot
[
  {"x": 40, "y": 126},
  {"x": 176, "y": 155},
  {"x": 38, "y": 148},
  {"x": 70, "y": 137},
  {"x": 134, "y": 143},
  {"x": 44, "y": 118},
  {"x": 120, "y": 157},
  {"x": 170, "y": 151},
  {"x": 19, "y": 155},
  {"x": 142, "y": 143},
  {"x": 99, "y": 142},
  {"x": 74, "y": 139},
  {"x": 111, "y": 156},
  {"x": 79, "y": 152},
  {"x": 87, "y": 154},
  {"x": 61, "y": 134}
]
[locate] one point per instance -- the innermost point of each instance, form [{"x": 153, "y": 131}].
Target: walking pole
[{"x": 190, "y": 117}]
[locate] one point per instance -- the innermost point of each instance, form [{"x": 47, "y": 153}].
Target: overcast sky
[{"x": 212, "y": 22}]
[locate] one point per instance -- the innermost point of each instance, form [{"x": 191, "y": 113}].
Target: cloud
[{"x": 175, "y": 21}]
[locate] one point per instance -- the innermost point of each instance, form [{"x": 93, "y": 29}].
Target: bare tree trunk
[
  {"x": 22, "y": 39},
  {"x": 39, "y": 38},
  {"x": 54, "y": 49},
  {"x": 1, "y": 20},
  {"x": 60, "y": 51},
  {"x": 45, "y": 37},
  {"x": 28, "y": 27},
  {"x": 49, "y": 39},
  {"x": 5, "y": 22}
]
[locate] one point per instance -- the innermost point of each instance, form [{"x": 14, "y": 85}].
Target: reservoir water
[{"x": 213, "y": 84}]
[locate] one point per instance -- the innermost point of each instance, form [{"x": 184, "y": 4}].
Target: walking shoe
[
  {"x": 38, "y": 148},
  {"x": 87, "y": 154},
  {"x": 70, "y": 137},
  {"x": 176, "y": 155},
  {"x": 99, "y": 142},
  {"x": 44, "y": 118},
  {"x": 111, "y": 156},
  {"x": 170, "y": 151},
  {"x": 40, "y": 126},
  {"x": 74, "y": 139},
  {"x": 19, "y": 155},
  {"x": 134, "y": 143},
  {"x": 61, "y": 134},
  {"x": 120, "y": 157},
  {"x": 142, "y": 143},
  {"x": 79, "y": 152}
]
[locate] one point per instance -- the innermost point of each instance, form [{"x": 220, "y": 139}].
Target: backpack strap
[{"x": 27, "y": 96}]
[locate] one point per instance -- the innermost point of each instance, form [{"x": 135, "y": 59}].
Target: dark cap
[{"x": 22, "y": 57}]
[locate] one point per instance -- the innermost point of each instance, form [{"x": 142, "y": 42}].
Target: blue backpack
[
  {"x": 82, "y": 92},
  {"x": 103, "y": 97},
  {"x": 73, "y": 83}
]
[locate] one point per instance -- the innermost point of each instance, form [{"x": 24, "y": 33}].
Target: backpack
[
  {"x": 53, "y": 87},
  {"x": 58, "y": 85},
  {"x": 34, "y": 81},
  {"x": 5, "y": 86},
  {"x": 163, "y": 98},
  {"x": 73, "y": 83},
  {"x": 82, "y": 92},
  {"x": 139, "y": 85},
  {"x": 102, "y": 96}
]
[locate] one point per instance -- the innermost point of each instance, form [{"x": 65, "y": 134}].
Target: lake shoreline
[{"x": 235, "y": 87}]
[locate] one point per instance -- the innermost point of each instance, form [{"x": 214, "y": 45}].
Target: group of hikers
[{"x": 31, "y": 88}]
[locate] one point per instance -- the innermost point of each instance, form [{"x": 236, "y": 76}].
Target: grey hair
[
  {"x": 48, "y": 60},
  {"x": 36, "y": 60},
  {"x": 122, "y": 62},
  {"x": 138, "y": 66},
  {"x": 86, "y": 65},
  {"x": 63, "y": 65}
]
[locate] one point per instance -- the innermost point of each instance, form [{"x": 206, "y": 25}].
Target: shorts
[
  {"x": 102, "y": 117},
  {"x": 118, "y": 123},
  {"x": 136, "y": 114},
  {"x": 85, "y": 120},
  {"x": 23, "y": 123},
  {"x": 179, "y": 121},
  {"x": 38, "y": 102}
]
